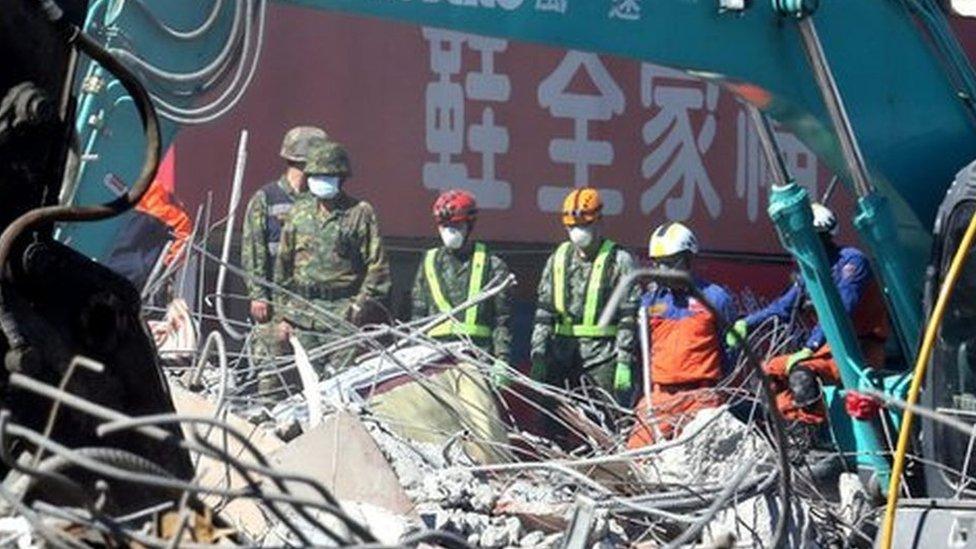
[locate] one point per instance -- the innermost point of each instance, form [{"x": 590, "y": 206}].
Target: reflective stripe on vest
[
  {"x": 470, "y": 326},
  {"x": 589, "y": 326}
]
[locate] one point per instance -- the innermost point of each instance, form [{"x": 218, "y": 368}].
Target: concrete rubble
[{"x": 416, "y": 444}]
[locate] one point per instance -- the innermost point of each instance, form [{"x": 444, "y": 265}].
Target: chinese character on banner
[
  {"x": 583, "y": 108},
  {"x": 448, "y": 134},
  {"x": 675, "y": 160},
  {"x": 629, "y": 10},
  {"x": 558, "y": 6},
  {"x": 752, "y": 172}
]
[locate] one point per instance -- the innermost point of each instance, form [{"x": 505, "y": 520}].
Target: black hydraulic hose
[
  {"x": 52, "y": 214},
  {"x": 779, "y": 429},
  {"x": 684, "y": 280},
  {"x": 192, "y": 34}
]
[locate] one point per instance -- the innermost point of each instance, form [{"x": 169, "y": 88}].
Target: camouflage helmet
[
  {"x": 327, "y": 157},
  {"x": 294, "y": 147}
]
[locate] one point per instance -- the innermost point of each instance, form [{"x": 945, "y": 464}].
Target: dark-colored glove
[
  {"x": 539, "y": 370},
  {"x": 499, "y": 374},
  {"x": 804, "y": 386}
]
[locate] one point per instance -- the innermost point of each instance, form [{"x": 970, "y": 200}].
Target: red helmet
[{"x": 455, "y": 206}]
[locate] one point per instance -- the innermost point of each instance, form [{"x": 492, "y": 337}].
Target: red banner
[{"x": 518, "y": 125}]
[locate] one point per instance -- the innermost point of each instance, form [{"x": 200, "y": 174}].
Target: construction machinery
[{"x": 881, "y": 91}]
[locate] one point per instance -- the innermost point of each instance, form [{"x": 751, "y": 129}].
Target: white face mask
[
  {"x": 581, "y": 237},
  {"x": 453, "y": 237},
  {"x": 324, "y": 186}
]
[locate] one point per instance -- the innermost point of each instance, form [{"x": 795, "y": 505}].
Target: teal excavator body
[{"x": 907, "y": 88}]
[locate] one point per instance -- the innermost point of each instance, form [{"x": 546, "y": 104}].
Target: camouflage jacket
[
  {"x": 257, "y": 257},
  {"x": 454, "y": 272},
  {"x": 593, "y": 351},
  {"x": 332, "y": 258}
]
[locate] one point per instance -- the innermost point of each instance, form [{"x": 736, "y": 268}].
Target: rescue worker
[
  {"x": 685, "y": 340},
  {"x": 263, "y": 221},
  {"x": 331, "y": 253},
  {"x": 456, "y": 272},
  {"x": 265, "y": 217},
  {"x": 798, "y": 375},
  {"x": 577, "y": 280}
]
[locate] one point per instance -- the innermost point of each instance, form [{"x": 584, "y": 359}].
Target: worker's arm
[
  {"x": 728, "y": 312},
  {"x": 284, "y": 273},
  {"x": 545, "y": 315},
  {"x": 376, "y": 282},
  {"x": 626, "y": 312},
  {"x": 420, "y": 295},
  {"x": 255, "y": 256},
  {"x": 781, "y": 308},
  {"x": 501, "y": 334},
  {"x": 851, "y": 276}
]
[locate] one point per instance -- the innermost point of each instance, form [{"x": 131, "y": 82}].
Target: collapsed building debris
[{"x": 417, "y": 441}]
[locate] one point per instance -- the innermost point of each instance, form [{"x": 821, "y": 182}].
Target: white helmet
[
  {"x": 670, "y": 239},
  {"x": 824, "y": 220}
]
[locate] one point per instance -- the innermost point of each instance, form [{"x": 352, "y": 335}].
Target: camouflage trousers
[
  {"x": 264, "y": 349},
  {"x": 569, "y": 366},
  {"x": 569, "y": 360},
  {"x": 276, "y": 381},
  {"x": 314, "y": 332}
]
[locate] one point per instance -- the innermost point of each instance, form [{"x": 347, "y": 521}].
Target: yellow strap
[
  {"x": 579, "y": 330},
  {"x": 594, "y": 286},
  {"x": 430, "y": 270},
  {"x": 474, "y": 282},
  {"x": 450, "y": 326},
  {"x": 559, "y": 278}
]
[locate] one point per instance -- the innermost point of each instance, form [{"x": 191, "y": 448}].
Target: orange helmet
[{"x": 582, "y": 207}]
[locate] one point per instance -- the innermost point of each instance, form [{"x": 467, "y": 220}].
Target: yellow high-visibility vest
[
  {"x": 470, "y": 326},
  {"x": 589, "y": 327}
]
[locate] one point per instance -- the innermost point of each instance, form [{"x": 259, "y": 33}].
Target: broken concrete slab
[
  {"x": 344, "y": 458},
  {"x": 447, "y": 402}
]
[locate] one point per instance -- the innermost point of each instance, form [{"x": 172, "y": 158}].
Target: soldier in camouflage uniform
[
  {"x": 576, "y": 283},
  {"x": 331, "y": 252},
  {"x": 266, "y": 214},
  {"x": 456, "y": 272}
]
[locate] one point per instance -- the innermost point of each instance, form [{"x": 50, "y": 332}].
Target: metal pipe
[
  {"x": 835, "y": 107},
  {"x": 191, "y": 34},
  {"x": 309, "y": 381},
  {"x": 215, "y": 65},
  {"x": 202, "y": 268},
  {"x": 235, "y": 199},
  {"x": 157, "y": 267},
  {"x": 185, "y": 254},
  {"x": 767, "y": 140},
  {"x": 645, "y": 346},
  {"x": 692, "y": 531}
]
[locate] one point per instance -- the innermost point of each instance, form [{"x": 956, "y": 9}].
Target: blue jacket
[{"x": 851, "y": 273}]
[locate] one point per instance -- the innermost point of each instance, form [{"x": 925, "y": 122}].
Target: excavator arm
[{"x": 904, "y": 89}]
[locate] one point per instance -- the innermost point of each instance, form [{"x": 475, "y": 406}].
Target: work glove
[
  {"x": 284, "y": 331},
  {"x": 804, "y": 386},
  {"x": 623, "y": 378},
  {"x": 797, "y": 357},
  {"x": 539, "y": 370},
  {"x": 739, "y": 329},
  {"x": 260, "y": 311},
  {"x": 499, "y": 374},
  {"x": 354, "y": 313}
]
